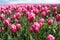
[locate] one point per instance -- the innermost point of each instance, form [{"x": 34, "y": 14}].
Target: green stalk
[
  {"x": 36, "y": 36},
  {"x": 58, "y": 28},
  {"x": 18, "y": 35}
]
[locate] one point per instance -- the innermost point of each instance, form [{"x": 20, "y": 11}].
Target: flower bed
[{"x": 30, "y": 22}]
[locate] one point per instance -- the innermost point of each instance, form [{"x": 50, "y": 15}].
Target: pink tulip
[
  {"x": 31, "y": 29},
  {"x": 8, "y": 12},
  {"x": 13, "y": 28},
  {"x": 50, "y": 21},
  {"x": 2, "y": 16},
  {"x": 57, "y": 17},
  {"x": 14, "y": 6},
  {"x": 7, "y": 7},
  {"x": 31, "y": 17},
  {"x": 36, "y": 24},
  {"x": 3, "y": 10},
  {"x": 46, "y": 8},
  {"x": 3, "y": 7},
  {"x": 27, "y": 13},
  {"x": 32, "y": 7},
  {"x": 18, "y": 27},
  {"x": 36, "y": 11},
  {"x": 17, "y": 15},
  {"x": 42, "y": 9},
  {"x": 11, "y": 8},
  {"x": 29, "y": 7},
  {"x": 6, "y": 23},
  {"x": 37, "y": 6},
  {"x": 36, "y": 30},
  {"x": 54, "y": 9},
  {"x": 35, "y": 27},
  {"x": 2, "y": 29},
  {"x": 43, "y": 14},
  {"x": 41, "y": 20},
  {"x": 55, "y": 13},
  {"x": 9, "y": 19},
  {"x": 19, "y": 9},
  {"x": 41, "y": 25},
  {"x": 50, "y": 37},
  {"x": 48, "y": 11},
  {"x": 24, "y": 10}
]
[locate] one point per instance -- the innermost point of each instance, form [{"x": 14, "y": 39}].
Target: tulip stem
[
  {"x": 30, "y": 37},
  {"x": 36, "y": 36},
  {"x": 18, "y": 35},
  {"x": 58, "y": 28}
]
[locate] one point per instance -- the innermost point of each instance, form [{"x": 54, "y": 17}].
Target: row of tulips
[{"x": 15, "y": 12}]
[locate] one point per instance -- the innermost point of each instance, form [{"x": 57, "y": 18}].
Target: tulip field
[{"x": 30, "y": 22}]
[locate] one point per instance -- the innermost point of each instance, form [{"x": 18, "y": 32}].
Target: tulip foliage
[{"x": 30, "y": 22}]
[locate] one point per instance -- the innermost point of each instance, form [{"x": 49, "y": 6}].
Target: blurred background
[{"x": 4, "y": 2}]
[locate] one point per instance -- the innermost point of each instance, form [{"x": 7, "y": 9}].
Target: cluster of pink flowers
[
  {"x": 37, "y": 26},
  {"x": 31, "y": 12},
  {"x": 15, "y": 28}
]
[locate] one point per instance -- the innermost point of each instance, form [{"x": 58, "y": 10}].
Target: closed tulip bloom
[
  {"x": 17, "y": 15},
  {"x": 50, "y": 21},
  {"x": 35, "y": 27},
  {"x": 8, "y": 12},
  {"x": 50, "y": 37},
  {"x": 36, "y": 30},
  {"x": 31, "y": 17},
  {"x": 36, "y": 11},
  {"x": 29, "y": 7},
  {"x": 18, "y": 27},
  {"x": 48, "y": 11},
  {"x": 54, "y": 9},
  {"x": 19, "y": 9},
  {"x": 31, "y": 30},
  {"x": 9, "y": 19},
  {"x": 2, "y": 16},
  {"x": 6, "y": 23},
  {"x": 57, "y": 17},
  {"x": 43, "y": 13},
  {"x": 41, "y": 25},
  {"x": 41, "y": 20},
  {"x": 2, "y": 29},
  {"x": 13, "y": 28},
  {"x": 24, "y": 10}
]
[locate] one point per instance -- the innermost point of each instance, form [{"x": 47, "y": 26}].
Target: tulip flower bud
[
  {"x": 31, "y": 17},
  {"x": 6, "y": 23},
  {"x": 43, "y": 14},
  {"x": 54, "y": 9},
  {"x": 8, "y": 12},
  {"x": 50, "y": 21},
  {"x": 31, "y": 29},
  {"x": 41, "y": 20},
  {"x": 36, "y": 11},
  {"x": 57, "y": 17},
  {"x": 50, "y": 37},
  {"x": 35, "y": 27},
  {"x": 18, "y": 15},
  {"x": 48, "y": 11},
  {"x": 2, "y": 29},
  {"x": 2, "y": 16},
  {"x": 13, "y": 28},
  {"x": 18, "y": 27}
]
